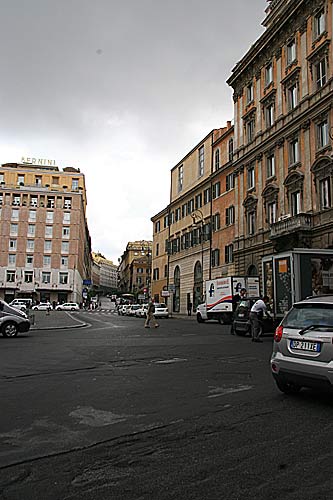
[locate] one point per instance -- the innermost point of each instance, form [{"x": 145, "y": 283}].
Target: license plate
[{"x": 305, "y": 345}]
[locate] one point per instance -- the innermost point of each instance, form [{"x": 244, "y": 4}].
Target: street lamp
[{"x": 198, "y": 218}]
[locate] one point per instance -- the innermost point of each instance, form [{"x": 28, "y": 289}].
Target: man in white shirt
[{"x": 257, "y": 312}]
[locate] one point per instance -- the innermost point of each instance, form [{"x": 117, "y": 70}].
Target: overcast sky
[{"x": 120, "y": 89}]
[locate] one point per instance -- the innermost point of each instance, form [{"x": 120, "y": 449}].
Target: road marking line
[{"x": 216, "y": 392}]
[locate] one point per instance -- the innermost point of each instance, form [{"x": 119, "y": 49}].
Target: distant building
[
  {"x": 134, "y": 271},
  {"x": 45, "y": 244},
  {"x": 105, "y": 274}
]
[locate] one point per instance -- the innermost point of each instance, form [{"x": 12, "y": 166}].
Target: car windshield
[
  {"x": 160, "y": 305},
  {"x": 305, "y": 315}
]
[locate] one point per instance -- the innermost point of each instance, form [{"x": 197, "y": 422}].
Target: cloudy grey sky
[{"x": 120, "y": 89}]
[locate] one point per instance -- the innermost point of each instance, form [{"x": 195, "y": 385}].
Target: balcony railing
[{"x": 299, "y": 222}]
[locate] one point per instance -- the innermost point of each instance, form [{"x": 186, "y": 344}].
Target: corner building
[
  {"x": 283, "y": 96},
  {"x": 45, "y": 248}
]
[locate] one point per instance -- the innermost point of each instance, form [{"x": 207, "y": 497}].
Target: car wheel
[
  {"x": 199, "y": 318},
  {"x": 9, "y": 329},
  {"x": 287, "y": 387}
]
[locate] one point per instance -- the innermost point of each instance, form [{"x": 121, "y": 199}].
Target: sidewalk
[{"x": 53, "y": 320}]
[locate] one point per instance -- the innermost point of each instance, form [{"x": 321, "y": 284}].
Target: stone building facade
[
  {"x": 134, "y": 270},
  {"x": 45, "y": 243}
]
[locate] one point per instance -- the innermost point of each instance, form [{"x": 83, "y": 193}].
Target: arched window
[
  {"x": 252, "y": 270},
  {"x": 176, "y": 295}
]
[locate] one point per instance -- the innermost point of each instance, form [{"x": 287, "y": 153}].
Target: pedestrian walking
[
  {"x": 150, "y": 315},
  {"x": 257, "y": 312},
  {"x": 189, "y": 308}
]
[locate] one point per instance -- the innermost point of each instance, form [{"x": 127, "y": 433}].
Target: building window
[
  {"x": 216, "y": 189},
  {"x": 32, "y": 215},
  {"x": 157, "y": 226},
  {"x": 15, "y": 214},
  {"x": 269, "y": 115},
  {"x": 50, "y": 202},
  {"x": 292, "y": 96},
  {"x": 177, "y": 214},
  {"x": 271, "y": 212},
  {"x": 66, "y": 218},
  {"x": 11, "y": 259},
  {"x": 30, "y": 245},
  {"x": 67, "y": 203},
  {"x": 201, "y": 163},
  {"x": 157, "y": 249},
  {"x": 229, "y": 254},
  {"x": 319, "y": 23},
  {"x": 48, "y": 231},
  {"x": 207, "y": 196},
  {"x": 2, "y": 178},
  {"x": 321, "y": 73},
  {"x": 156, "y": 274},
  {"x": 47, "y": 246},
  {"x": 13, "y": 229},
  {"x": 229, "y": 182},
  {"x": 65, "y": 232},
  {"x": 322, "y": 134},
  {"x": 166, "y": 221},
  {"x": 198, "y": 201},
  {"x": 295, "y": 202},
  {"x": 11, "y": 276},
  {"x": 217, "y": 159},
  {"x": 75, "y": 184},
  {"x": 31, "y": 230},
  {"x": 216, "y": 222},
  {"x": 250, "y": 128},
  {"x": 250, "y": 177},
  {"x": 249, "y": 93},
  {"x": 49, "y": 217},
  {"x": 12, "y": 244},
  {"x": 325, "y": 193},
  {"x": 230, "y": 215},
  {"x": 180, "y": 178},
  {"x": 184, "y": 210},
  {"x": 190, "y": 206},
  {"x": 64, "y": 261},
  {"x": 28, "y": 276},
  {"x": 270, "y": 163},
  {"x": 16, "y": 200},
  {"x": 215, "y": 257},
  {"x": 63, "y": 278},
  {"x": 46, "y": 277},
  {"x": 64, "y": 247},
  {"x": 291, "y": 52},
  {"x": 251, "y": 223},
  {"x": 46, "y": 261},
  {"x": 269, "y": 74},
  {"x": 55, "y": 181},
  {"x": 29, "y": 260},
  {"x": 34, "y": 201},
  {"x": 231, "y": 149},
  {"x": 293, "y": 151},
  {"x": 38, "y": 180}
]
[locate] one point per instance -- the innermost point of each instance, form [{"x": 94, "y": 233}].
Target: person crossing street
[{"x": 150, "y": 315}]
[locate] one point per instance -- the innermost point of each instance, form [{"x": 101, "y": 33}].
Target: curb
[{"x": 78, "y": 324}]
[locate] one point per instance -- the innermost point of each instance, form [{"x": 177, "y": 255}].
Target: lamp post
[{"x": 198, "y": 218}]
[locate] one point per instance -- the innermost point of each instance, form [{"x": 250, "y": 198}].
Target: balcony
[{"x": 291, "y": 224}]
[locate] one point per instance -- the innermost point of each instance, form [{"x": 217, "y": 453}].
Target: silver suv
[
  {"x": 303, "y": 346},
  {"x": 12, "y": 321}
]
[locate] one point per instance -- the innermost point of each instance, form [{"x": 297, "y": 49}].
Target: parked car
[
  {"x": 303, "y": 346},
  {"x": 12, "y": 320},
  {"x": 142, "y": 311},
  {"x": 123, "y": 309},
  {"x": 241, "y": 324},
  {"x": 42, "y": 306},
  {"x": 20, "y": 304},
  {"x": 68, "y": 306},
  {"x": 132, "y": 309},
  {"x": 161, "y": 311}
]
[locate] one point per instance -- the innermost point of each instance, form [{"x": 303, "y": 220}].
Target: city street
[{"x": 185, "y": 411}]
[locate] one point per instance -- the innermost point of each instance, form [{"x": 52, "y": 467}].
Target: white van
[{"x": 21, "y": 304}]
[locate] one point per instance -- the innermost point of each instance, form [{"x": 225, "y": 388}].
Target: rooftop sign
[{"x": 38, "y": 161}]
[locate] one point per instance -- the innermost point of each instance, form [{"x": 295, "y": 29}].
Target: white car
[
  {"x": 21, "y": 305},
  {"x": 142, "y": 311},
  {"x": 132, "y": 309},
  {"x": 68, "y": 306},
  {"x": 161, "y": 311},
  {"x": 42, "y": 306}
]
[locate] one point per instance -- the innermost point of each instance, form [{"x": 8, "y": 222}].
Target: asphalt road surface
[{"x": 183, "y": 412}]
